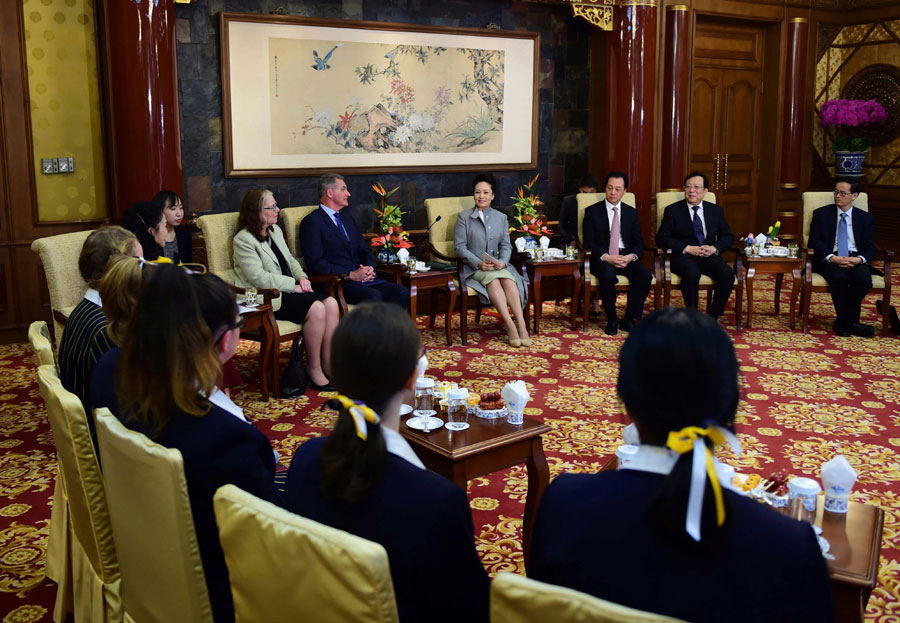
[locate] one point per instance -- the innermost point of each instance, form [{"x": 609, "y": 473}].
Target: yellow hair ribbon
[
  {"x": 361, "y": 414},
  {"x": 682, "y": 441}
]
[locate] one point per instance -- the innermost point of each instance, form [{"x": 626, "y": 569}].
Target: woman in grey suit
[
  {"x": 483, "y": 230},
  {"x": 262, "y": 260}
]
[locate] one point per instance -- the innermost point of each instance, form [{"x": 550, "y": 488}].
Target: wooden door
[{"x": 726, "y": 108}]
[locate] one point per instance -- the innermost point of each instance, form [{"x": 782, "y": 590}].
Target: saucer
[
  {"x": 416, "y": 423},
  {"x": 404, "y": 409}
]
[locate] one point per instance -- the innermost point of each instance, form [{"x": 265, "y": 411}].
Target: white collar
[
  {"x": 222, "y": 401},
  {"x": 398, "y": 446},
  {"x": 653, "y": 459},
  {"x": 93, "y": 296},
  {"x": 690, "y": 207},
  {"x": 331, "y": 213},
  {"x": 610, "y": 206},
  {"x": 476, "y": 213},
  {"x": 848, "y": 212}
]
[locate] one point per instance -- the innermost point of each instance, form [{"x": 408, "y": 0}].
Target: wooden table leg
[
  {"x": 795, "y": 292},
  {"x": 413, "y": 299},
  {"x": 451, "y": 303},
  {"x": 751, "y": 272},
  {"x": 538, "y": 479},
  {"x": 538, "y": 302},
  {"x": 779, "y": 278},
  {"x": 576, "y": 290}
]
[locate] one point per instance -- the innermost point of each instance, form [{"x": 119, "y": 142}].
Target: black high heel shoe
[{"x": 327, "y": 387}]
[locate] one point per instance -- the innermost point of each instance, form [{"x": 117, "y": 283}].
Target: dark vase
[{"x": 386, "y": 257}]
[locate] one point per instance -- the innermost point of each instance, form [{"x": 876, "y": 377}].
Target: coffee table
[
  {"x": 433, "y": 280},
  {"x": 261, "y": 321},
  {"x": 537, "y": 270},
  {"x": 485, "y": 447},
  {"x": 779, "y": 266}
]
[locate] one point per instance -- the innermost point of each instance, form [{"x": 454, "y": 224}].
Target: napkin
[
  {"x": 545, "y": 242},
  {"x": 403, "y": 255},
  {"x": 516, "y": 396},
  {"x": 520, "y": 245},
  {"x": 761, "y": 239},
  {"x": 838, "y": 478},
  {"x": 630, "y": 435},
  {"x": 423, "y": 365}
]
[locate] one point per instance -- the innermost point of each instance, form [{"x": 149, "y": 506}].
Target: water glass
[
  {"x": 793, "y": 249},
  {"x": 570, "y": 252},
  {"x": 250, "y": 296},
  {"x": 411, "y": 265},
  {"x": 458, "y": 409}
]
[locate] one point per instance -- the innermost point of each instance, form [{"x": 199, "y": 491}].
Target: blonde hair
[
  {"x": 119, "y": 291},
  {"x": 101, "y": 245}
]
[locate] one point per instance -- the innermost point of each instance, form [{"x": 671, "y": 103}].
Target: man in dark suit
[
  {"x": 843, "y": 244},
  {"x": 568, "y": 211},
  {"x": 332, "y": 244},
  {"x": 612, "y": 232},
  {"x": 698, "y": 234}
]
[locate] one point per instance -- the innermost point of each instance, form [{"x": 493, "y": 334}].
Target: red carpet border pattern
[{"x": 805, "y": 398}]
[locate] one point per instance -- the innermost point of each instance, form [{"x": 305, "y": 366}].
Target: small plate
[
  {"x": 490, "y": 414},
  {"x": 404, "y": 409},
  {"x": 416, "y": 423}
]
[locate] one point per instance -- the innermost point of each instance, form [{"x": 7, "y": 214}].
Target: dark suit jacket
[
  {"x": 217, "y": 449},
  {"x": 596, "y": 231},
  {"x": 185, "y": 250},
  {"x": 677, "y": 228},
  {"x": 568, "y": 218},
  {"x": 422, "y": 520},
  {"x": 823, "y": 232},
  {"x": 592, "y": 534},
  {"x": 325, "y": 248}
]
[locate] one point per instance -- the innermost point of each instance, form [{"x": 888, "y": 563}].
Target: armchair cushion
[
  {"x": 218, "y": 233},
  {"x": 441, "y": 234}
]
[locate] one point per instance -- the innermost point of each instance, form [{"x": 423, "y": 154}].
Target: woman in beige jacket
[{"x": 262, "y": 260}]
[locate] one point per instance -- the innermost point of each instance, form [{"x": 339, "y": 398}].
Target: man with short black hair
[
  {"x": 843, "y": 244},
  {"x": 568, "y": 211},
  {"x": 698, "y": 234},
  {"x": 612, "y": 232}
]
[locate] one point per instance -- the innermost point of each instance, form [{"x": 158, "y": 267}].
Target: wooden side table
[
  {"x": 537, "y": 270},
  {"x": 433, "y": 280},
  {"x": 485, "y": 447},
  {"x": 261, "y": 320},
  {"x": 779, "y": 266}
]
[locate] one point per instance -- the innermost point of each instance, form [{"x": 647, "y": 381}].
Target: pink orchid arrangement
[{"x": 851, "y": 122}]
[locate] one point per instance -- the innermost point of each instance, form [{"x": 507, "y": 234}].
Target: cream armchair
[
  {"x": 284, "y": 567},
  {"x": 673, "y": 281},
  {"x": 516, "y": 599},
  {"x": 586, "y": 200},
  {"x": 153, "y": 528},
  {"x": 59, "y": 255},
  {"x": 814, "y": 282},
  {"x": 440, "y": 239}
]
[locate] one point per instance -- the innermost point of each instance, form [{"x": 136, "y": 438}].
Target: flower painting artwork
[{"x": 346, "y": 97}]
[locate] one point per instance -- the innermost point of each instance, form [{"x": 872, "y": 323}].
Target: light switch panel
[
  {"x": 49, "y": 166},
  {"x": 65, "y": 165}
]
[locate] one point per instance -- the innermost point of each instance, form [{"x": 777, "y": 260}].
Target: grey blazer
[
  {"x": 472, "y": 237},
  {"x": 255, "y": 264}
]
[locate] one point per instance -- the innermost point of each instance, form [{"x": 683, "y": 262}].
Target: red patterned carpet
[{"x": 806, "y": 398}]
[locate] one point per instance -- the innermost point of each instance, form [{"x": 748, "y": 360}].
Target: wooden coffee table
[
  {"x": 779, "y": 266},
  {"x": 485, "y": 447},
  {"x": 537, "y": 270},
  {"x": 261, "y": 321},
  {"x": 434, "y": 280}
]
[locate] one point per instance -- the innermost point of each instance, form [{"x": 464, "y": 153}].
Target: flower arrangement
[
  {"x": 772, "y": 234},
  {"x": 389, "y": 220},
  {"x": 528, "y": 213},
  {"x": 851, "y": 121}
]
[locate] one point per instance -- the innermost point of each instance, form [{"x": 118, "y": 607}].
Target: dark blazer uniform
[
  {"x": 593, "y": 534},
  {"x": 568, "y": 218},
  {"x": 422, "y": 520},
  {"x": 677, "y": 231},
  {"x": 217, "y": 449},
  {"x": 326, "y": 250},
  {"x": 596, "y": 233},
  {"x": 849, "y": 286}
]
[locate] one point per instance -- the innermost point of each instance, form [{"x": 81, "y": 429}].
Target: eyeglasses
[
  {"x": 694, "y": 187},
  {"x": 237, "y": 324},
  {"x": 841, "y": 193},
  {"x": 273, "y": 207}
]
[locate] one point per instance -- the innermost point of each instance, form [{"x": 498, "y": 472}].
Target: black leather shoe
[
  {"x": 840, "y": 330},
  {"x": 612, "y": 327},
  {"x": 862, "y": 330},
  {"x": 893, "y": 318},
  {"x": 327, "y": 387},
  {"x": 627, "y": 324}
]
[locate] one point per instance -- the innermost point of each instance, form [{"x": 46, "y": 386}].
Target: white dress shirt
[
  {"x": 851, "y": 241},
  {"x": 93, "y": 296},
  {"x": 398, "y": 446},
  {"x": 331, "y": 214},
  {"x": 659, "y": 460},
  {"x": 609, "y": 216}
]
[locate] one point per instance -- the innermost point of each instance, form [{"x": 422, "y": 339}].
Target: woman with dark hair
[
  {"x": 262, "y": 260},
  {"x": 177, "y": 244},
  {"x": 148, "y": 223},
  {"x": 662, "y": 534},
  {"x": 163, "y": 383},
  {"x": 365, "y": 478},
  {"x": 484, "y": 231}
]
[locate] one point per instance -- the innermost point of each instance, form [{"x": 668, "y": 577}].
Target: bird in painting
[{"x": 321, "y": 64}]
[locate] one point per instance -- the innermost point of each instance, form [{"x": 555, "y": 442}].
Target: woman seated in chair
[
  {"x": 163, "y": 383},
  {"x": 484, "y": 231},
  {"x": 262, "y": 260},
  {"x": 662, "y": 534},
  {"x": 85, "y": 339},
  {"x": 147, "y": 221},
  {"x": 365, "y": 478},
  {"x": 177, "y": 244}
]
